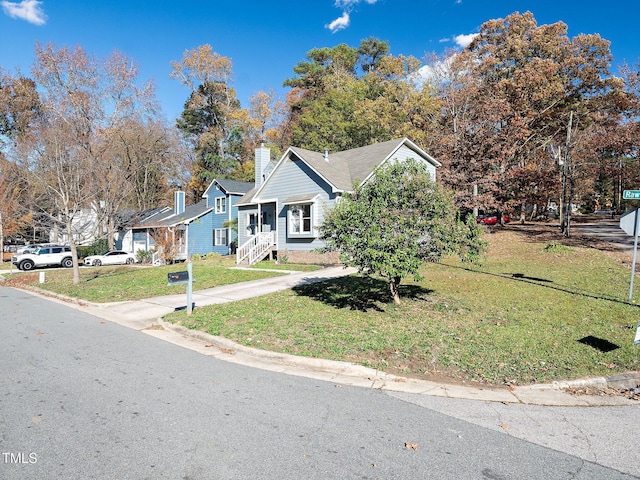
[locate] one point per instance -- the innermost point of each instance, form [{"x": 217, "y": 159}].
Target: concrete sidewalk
[
  {"x": 146, "y": 316},
  {"x": 141, "y": 314}
]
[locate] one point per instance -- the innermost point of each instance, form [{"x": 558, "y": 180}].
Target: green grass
[
  {"x": 296, "y": 267},
  {"x": 120, "y": 283},
  {"x": 534, "y": 311}
]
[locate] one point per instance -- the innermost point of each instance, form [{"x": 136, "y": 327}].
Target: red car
[{"x": 491, "y": 219}]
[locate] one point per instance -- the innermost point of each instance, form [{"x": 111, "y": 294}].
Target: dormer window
[{"x": 221, "y": 205}]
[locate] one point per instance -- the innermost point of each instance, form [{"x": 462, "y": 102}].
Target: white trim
[
  {"x": 215, "y": 237},
  {"x": 219, "y": 210},
  {"x": 302, "y": 233},
  {"x": 412, "y": 146},
  {"x": 301, "y": 202}
]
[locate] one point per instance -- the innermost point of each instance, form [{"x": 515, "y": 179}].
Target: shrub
[
  {"x": 144, "y": 256},
  {"x": 98, "y": 247}
]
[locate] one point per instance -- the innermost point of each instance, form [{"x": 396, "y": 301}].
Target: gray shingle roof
[
  {"x": 345, "y": 168},
  {"x": 234, "y": 186},
  {"x": 190, "y": 213},
  {"x": 355, "y": 165}
]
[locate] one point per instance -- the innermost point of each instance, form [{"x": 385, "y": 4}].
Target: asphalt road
[
  {"x": 84, "y": 398},
  {"x": 606, "y": 230}
]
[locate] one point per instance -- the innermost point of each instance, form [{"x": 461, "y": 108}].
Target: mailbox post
[{"x": 183, "y": 278}]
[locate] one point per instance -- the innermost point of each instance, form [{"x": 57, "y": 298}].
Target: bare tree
[{"x": 68, "y": 151}]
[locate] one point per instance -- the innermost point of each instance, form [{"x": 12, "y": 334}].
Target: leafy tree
[
  {"x": 212, "y": 119},
  {"x": 19, "y": 108},
  {"x": 395, "y": 221},
  {"x": 514, "y": 89},
  {"x": 322, "y": 62},
  {"x": 333, "y": 107},
  {"x": 19, "y": 104},
  {"x": 371, "y": 51}
]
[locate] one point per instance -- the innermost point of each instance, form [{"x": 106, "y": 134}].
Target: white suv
[{"x": 44, "y": 256}]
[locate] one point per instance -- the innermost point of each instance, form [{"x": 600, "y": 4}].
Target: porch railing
[{"x": 255, "y": 248}]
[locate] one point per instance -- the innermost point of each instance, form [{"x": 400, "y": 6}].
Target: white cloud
[
  {"x": 339, "y": 23},
  {"x": 347, "y": 7},
  {"x": 28, "y": 10},
  {"x": 349, "y": 4},
  {"x": 464, "y": 40}
]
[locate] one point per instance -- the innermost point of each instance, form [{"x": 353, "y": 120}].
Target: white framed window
[
  {"x": 220, "y": 237},
  {"x": 221, "y": 205},
  {"x": 300, "y": 219}
]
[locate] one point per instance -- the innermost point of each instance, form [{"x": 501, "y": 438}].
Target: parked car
[
  {"x": 492, "y": 219},
  {"x": 114, "y": 257},
  {"x": 44, "y": 256}
]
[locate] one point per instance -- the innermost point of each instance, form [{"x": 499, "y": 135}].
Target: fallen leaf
[
  {"x": 155, "y": 326},
  {"x": 411, "y": 446},
  {"x": 504, "y": 426}
]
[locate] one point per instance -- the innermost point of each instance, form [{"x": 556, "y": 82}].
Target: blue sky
[{"x": 266, "y": 39}]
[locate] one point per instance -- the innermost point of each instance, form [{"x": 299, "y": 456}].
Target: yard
[
  {"x": 120, "y": 283},
  {"x": 539, "y": 308}
]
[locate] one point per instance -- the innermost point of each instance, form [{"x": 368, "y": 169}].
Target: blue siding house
[
  {"x": 283, "y": 211},
  {"x": 193, "y": 229},
  {"x": 223, "y": 196}
]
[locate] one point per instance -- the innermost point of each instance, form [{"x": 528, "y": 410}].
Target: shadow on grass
[
  {"x": 360, "y": 293},
  {"x": 519, "y": 277},
  {"x": 525, "y": 277},
  {"x": 599, "y": 343}
]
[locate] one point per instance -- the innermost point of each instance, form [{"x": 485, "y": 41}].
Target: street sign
[
  {"x": 628, "y": 222},
  {"x": 631, "y": 194}
]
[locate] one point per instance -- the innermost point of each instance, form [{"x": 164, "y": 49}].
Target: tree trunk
[
  {"x": 74, "y": 252},
  {"x": 111, "y": 230},
  {"x": 2, "y": 240},
  {"x": 394, "y": 286}
]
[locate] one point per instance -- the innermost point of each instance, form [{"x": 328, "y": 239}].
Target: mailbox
[{"x": 178, "y": 278}]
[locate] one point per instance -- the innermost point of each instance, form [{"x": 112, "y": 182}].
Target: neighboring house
[
  {"x": 282, "y": 213},
  {"x": 223, "y": 196},
  {"x": 85, "y": 227},
  {"x": 198, "y": 228}
]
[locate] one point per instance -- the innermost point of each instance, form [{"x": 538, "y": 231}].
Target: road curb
[
  {"x": 358, "y": 375},
  {"x": 329, "y": 366}
]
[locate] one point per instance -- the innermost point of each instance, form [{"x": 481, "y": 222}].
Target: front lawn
[
  {"x": 120, "y": 283},
  {"x": 539, "y": 308}
]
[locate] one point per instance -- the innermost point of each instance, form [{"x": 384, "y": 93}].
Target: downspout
[{"x": 229, "y": 219}]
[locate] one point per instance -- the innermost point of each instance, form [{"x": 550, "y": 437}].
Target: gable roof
[
  {"x": 190, "y": 213},
  {"x": 229, "y": 187},
  {"x": 342, "y": 169}
]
